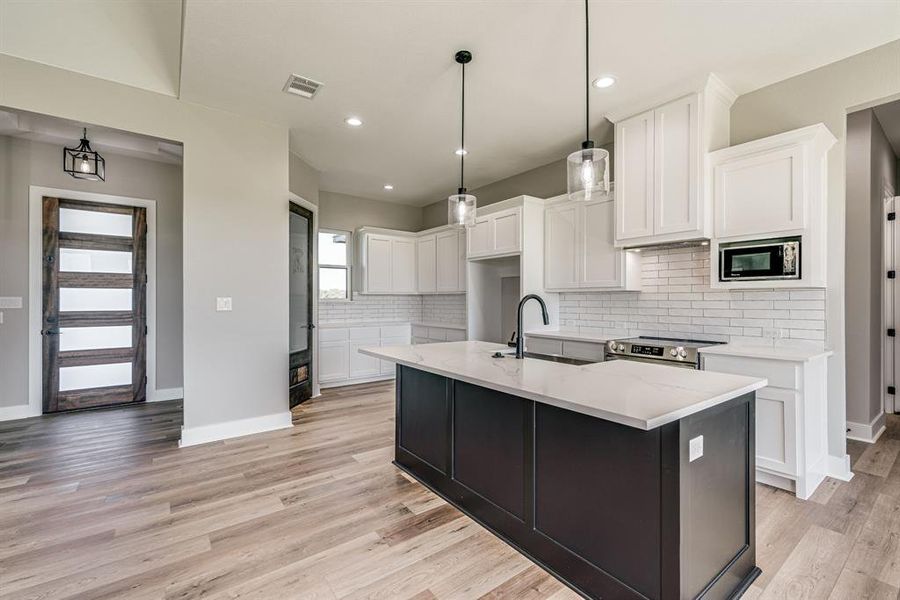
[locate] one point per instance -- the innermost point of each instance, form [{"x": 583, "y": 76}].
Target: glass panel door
[{"x": 300, "y": 279}]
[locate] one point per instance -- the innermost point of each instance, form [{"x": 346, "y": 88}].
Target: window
[{"x": 334, "y": 265}]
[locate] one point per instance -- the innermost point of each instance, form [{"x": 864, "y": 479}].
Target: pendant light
[
  {"x": 461, "y": 206},
  {"x": 83, "y": 163},
  {"x": 587, "y": 169}
]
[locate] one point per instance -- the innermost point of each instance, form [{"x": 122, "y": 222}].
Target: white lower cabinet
[
  {"x": 426, "y": 334},
  {"x": 341, "y": 363},
  {"x": 791, "y": 419}
]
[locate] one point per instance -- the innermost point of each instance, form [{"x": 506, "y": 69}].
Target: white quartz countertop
[
  {"x": 787, "y": 353},
  {"x": 574, "y": 336},
  {"x": 636, "y": 394}
]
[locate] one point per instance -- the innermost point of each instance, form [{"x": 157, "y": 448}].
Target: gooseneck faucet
[{"x": 520, "y": 340}]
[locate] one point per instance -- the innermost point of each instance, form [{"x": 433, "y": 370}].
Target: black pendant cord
[
  {"x": 587, "y": 73},
  {"x": 462, "y": 133}
]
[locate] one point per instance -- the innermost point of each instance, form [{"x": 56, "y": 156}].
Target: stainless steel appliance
[
  {"x": 759, "y": 260},
  {"x": 661, "y": 351}
]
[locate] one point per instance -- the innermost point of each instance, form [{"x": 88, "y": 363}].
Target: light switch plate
[
  {"x": 223, "y": 304},
  {"x": 695, "y": 449},
  {"x": 10, "y": 302}
]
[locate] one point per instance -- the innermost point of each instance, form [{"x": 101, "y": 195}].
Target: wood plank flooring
[{"x": 103, "y": 504}]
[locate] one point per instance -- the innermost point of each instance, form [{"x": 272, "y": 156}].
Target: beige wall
[
  {"x": 825, "y": 95},
  {"x": 233, "y": 222},
  {"x": 24, "y": 163},
  {"x": 545, "y": 181},
  {"x": 303, "y": 180},
  {"x": 341, "y": 211}
]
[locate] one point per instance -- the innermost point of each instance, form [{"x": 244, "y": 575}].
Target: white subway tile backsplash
[
  {"x": 676, "y": 300},
  {"x": 440, "y": 308}
]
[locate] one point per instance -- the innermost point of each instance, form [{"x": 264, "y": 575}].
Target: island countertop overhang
[{"x": 635, "y": 394}]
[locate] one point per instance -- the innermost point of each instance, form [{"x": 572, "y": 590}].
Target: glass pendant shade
[
  {"x": 83, "y": 163},
  {"x": 461, "y": 209},
  {"x": 587, "y": 173}
]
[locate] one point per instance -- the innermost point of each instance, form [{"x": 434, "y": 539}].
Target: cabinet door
[
  {"x": 776, "y": 430},
  {"x": 561, "y": 247},
  {"x": 378, "y": 264},
  {"x": 425, "y": 259},
  {"x": 634, "y": 177},
  {"x": 362, "y": 365},
  {"x": 676, "y": 152},
  {"x": 480, "y": 236},
  {"x": 600, "y": 263},
  {"x": 507, "y": 231},
  {"x": 403, "y": 266},
  {"x": 448, "y": 261},
  {"x": 760, "y": 194},
  {"x": 334, "y": 361}
]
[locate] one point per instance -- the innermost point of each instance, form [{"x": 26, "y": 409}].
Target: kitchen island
[{"x": 623, "y": 479}]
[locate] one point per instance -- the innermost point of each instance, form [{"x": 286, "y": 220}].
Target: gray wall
[
  {"x": 24, "y": 163},
  {"x": 342, "y": 211},
  {"x": 303, "y": 180},
  {"x": 825, "y": 95},
  {"x": 545, "y": 181}
]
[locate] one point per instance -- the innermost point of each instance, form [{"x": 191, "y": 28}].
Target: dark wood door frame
[
  {"x": 52, "y": 319},
  {"x": 301, "y": 363}
]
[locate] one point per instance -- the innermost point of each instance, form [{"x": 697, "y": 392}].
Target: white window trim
[{"x": 348, "y": 267}]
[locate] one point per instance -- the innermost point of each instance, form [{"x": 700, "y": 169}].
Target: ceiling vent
[{"x": 301, "y": 86}]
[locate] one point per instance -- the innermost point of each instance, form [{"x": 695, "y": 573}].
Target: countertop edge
[
  {"x": 766, "y": 352},
  {"x": 643, "y": 424}
]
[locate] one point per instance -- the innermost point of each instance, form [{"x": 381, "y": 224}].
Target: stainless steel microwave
[{"x": 760, "y": 260}]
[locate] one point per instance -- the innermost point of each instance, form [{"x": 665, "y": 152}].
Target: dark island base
[{"x": 610, "y": 510}]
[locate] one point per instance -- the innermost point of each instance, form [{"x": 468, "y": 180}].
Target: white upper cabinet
[
  {"x": 770, "y": 188},
  {"x": 676, "y": 160},
  {"x": 425, "y": 259},
  {"x": 388, "y": 263},
  {"x": 447, "y": 261},
  {"x": 660, "y": 174},
  {"x": 580, "y": 251},
  {"x": 496, "y": 234},
  {"x": 403, "y": 265},
  {"x": 378, "y": 264},
  {"x": 634, "y": 177}
]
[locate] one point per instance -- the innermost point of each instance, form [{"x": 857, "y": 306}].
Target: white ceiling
[
  {"x": 391, "y": 63},
  {"x": 66, "y": 133},
  {"x": 135, "y": 42}
]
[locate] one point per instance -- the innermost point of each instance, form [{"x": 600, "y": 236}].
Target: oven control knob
[
  {"x": 612, "y": 345},
  {"x": 621, "y": 348},
  {"x": 681, "y": 352},
  {"x": 673, "y": 352}
]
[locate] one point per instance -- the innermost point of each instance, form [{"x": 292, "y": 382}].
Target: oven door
[{"x": 766, "y": 260}]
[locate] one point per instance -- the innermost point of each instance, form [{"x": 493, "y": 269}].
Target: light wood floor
[{"x": 104, "y": 505}]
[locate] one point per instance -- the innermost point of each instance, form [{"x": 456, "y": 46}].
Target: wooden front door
[{"x": 94, "y": 324}]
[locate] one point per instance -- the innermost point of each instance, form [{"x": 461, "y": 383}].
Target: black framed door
[{"x": 301, "y": 304}]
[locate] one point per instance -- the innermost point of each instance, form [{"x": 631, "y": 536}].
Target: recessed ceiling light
[
  {"x": 604, "y": 81},
  {"x": 388, "y": 187},
  {"x": 353, "y": 121},
  {"x": 461, "y": 151}
]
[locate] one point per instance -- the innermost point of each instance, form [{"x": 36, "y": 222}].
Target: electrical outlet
[
  {"x": 223, "y": 304},
  {"x": 10, "y": 302},
  {"x": 695, "y": 448}
]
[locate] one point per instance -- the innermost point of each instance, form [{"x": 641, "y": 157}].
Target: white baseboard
[
  {"x": 191, "y": 436},
  {"x": 867, "y": 433},
  {"x": 839, "y": 467},
  {"x": 20, "y": 411},
  {"x": 165, "y": 394}
]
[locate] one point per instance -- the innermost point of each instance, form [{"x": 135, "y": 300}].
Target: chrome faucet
[{"x": 520, "y": 343}]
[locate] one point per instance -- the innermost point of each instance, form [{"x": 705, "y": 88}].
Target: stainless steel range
[{"x": 658, "y": 350}]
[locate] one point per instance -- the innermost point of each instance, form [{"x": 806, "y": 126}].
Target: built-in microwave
[{"x": 760, "y": 260}]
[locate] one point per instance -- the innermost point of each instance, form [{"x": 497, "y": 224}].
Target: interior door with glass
[
  {"x": 301, "y": 287},
  {"x": 94, "y": 325}
]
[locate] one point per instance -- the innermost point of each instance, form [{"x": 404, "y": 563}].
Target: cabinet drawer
[
  {"x": 456, "y": 335},
  {"x": 365, "y": 333},
  {"x": 436, "y": 334},
  {"x": 543, "y": 345},
  {"x": 395, "y": 331},
  {"x": 779, "y": 373},
  {"x": 419, "y": 331},
  {"x": 334, "y": 334},
  {"x": 420, "y": 340},
  {"x": 583, "y": 350}
]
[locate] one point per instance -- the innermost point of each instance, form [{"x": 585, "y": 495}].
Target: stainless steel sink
[{"x": 548, "y": 357}]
